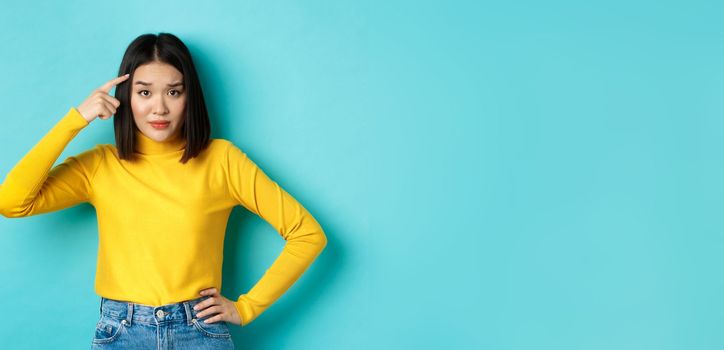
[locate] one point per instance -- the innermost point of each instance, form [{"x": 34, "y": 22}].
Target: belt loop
[
  {"x": 189, "y": 315},
  {"x": 129, "y": 314}
]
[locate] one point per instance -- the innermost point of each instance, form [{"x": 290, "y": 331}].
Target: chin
[{"x": 160, "y": 135}]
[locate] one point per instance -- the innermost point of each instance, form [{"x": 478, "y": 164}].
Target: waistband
[{"x": 133, "y": 312}]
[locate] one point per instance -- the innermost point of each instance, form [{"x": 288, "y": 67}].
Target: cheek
[
  {"x": 138, "y": 107},
  {"x": 180, "y": 104},
  {"x": 180, "y": 107}
]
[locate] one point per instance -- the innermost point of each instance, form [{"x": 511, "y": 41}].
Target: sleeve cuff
[
  {"x": 241, "y": 314},
  {"x": 74, "y": 119}
]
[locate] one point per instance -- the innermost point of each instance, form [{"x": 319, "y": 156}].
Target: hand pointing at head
[{"x": 100, "y": 103}]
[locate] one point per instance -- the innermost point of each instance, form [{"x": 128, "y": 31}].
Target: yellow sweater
[{"x": 161, "y": 224}]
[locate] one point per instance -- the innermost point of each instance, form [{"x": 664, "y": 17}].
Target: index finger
[{"x": 113, "y": 82}]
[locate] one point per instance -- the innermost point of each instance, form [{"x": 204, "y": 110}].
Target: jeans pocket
[
  {"x": 108, "y": 329},
  {"x": 217, "y": 329}
]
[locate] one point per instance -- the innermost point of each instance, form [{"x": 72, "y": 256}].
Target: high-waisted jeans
[{"x": 126, "y": 325}]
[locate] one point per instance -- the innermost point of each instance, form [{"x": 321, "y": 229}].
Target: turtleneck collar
[{"x": 146, "y": 145}]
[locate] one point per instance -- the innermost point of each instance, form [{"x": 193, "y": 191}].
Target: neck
[{"x": 146, "y": 145}]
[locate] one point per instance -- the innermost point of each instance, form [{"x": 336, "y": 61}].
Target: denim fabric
[{"x": 126, "y": 325}]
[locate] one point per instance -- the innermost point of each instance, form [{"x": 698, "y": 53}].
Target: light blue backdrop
[{"x": 528, "y": 175}]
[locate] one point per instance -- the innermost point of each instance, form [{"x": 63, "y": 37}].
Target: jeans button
[{"x": 159, "y": 313}]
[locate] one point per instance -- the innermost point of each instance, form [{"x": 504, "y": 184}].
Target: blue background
[{"x": 527, "y": 175}]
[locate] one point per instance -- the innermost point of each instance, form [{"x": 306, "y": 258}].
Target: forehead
[{"x": 157, "y": 73}]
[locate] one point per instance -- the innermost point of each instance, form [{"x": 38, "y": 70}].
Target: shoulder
[
  {"x": 219, "y": 149},
  {"x": 227, "y": 147},
  {"x": 88, "y": 160},
  {"x": 233, "y": 156},
  {"x": 106, "y": 149},
  {"x": 95, "y": 152},
  {"x": 222, "y": 144}
]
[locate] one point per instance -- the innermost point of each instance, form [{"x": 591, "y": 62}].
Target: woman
[{"x": 163, "y": 195}]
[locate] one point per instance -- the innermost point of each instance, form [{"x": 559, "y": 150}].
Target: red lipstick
[{"x": 160, "y": 125}]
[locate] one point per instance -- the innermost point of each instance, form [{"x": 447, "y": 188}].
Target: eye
[
  {"x": 142, "y": 91},
  {"x": 177, "y": 92}
]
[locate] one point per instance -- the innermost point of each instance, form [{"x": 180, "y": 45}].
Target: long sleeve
[
  {"x": 32, "y": 187},
  {"x": 305, "y": 239}
]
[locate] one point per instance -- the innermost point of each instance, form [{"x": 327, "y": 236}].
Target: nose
[{"x": 159, "y": 107}]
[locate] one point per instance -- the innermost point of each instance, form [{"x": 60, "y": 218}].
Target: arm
[
  {"x": 254, "y": 190},
  {"x": 31, "y": 187}
]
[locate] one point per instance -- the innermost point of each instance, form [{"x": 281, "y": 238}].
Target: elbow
[
  {"x": 12, "y": 206},
  {"x": 317, "y": 242},
  {"x": 321, "y": 239},
  {"x": 313, "y": 238},
  {"x": 5, "y": 208},
  {"x": 11, "y": 210},
  {"x": 324, "y": 240},
  {"x": 307, "y": 235},
  {"x": 6, "y": 212}
]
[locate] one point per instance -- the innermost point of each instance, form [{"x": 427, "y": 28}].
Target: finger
[
  {"x": 213, "y": 319},
  {"x": 113, "y": 82},
  {"x": 209, "y": 311},
  {"x": 208, "y": 291},
  {"x": 204, "y": 304},
  {"x": 108, "y": 108},
  {"x": 104, "y": 111},
  {"x": 111, "y": 100}
]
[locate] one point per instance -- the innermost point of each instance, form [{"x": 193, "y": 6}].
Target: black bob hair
[{"x": 165, "y": 48}]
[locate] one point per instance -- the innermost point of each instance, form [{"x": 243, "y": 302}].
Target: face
[{"x": 158, "y": 94}]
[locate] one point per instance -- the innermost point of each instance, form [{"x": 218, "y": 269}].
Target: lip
[{"x": 160, "y": 125}]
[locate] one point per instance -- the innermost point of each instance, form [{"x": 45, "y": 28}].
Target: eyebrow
[{"x": 178, "y": 83}]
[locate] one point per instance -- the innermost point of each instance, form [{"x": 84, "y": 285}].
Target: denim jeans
[{"x": 126, "y": 325}]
